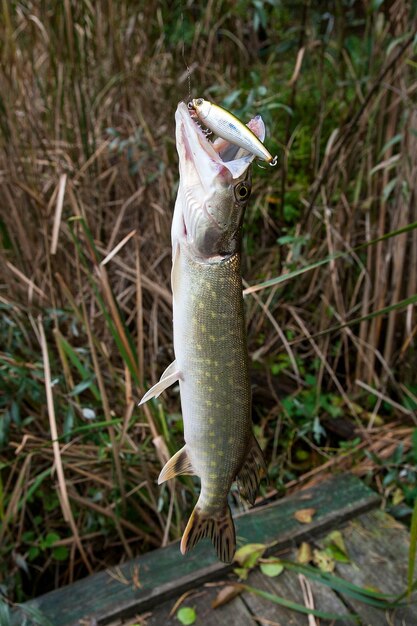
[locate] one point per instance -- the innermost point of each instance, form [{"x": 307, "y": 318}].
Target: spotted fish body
[
  {"x": 211, "y": 359},
  {"x": 211, "y": 353}
]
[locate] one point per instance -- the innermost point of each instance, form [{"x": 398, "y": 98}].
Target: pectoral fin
[
  {"x": 177, "y": 465},
  {"x": 249, "y": 476},
  {"x": 168, "y": 378}
]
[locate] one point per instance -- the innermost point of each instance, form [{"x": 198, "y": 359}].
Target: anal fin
[
  {"x": 178, "y": 465},
  {"x": 219, "y": 527},
  {"x": 168, "y": 378},
  {"x": 249, "y": 476}
]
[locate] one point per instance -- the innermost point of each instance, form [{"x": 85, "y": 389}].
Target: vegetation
[{"x": 88, "y": 174}]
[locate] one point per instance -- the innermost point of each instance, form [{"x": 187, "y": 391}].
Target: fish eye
[
  {"x": 242, "y": 191},
  {"x": 199, "y": 102}
]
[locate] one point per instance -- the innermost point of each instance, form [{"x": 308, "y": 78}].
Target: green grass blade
[
  {"x": 367, "y": 596},
  {"x": 85, "y": 374},
  {"x": 92, "y": 426},
  {"x": 387, "y": 309},
  {"x": 332, "y": 257},
  {"x": 294, "y": 606},
  {"x": 34, "y": 487},
  {"x": 129, "y": 359}
]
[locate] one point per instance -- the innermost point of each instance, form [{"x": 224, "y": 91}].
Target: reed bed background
[{"x": 88, "y": 175}]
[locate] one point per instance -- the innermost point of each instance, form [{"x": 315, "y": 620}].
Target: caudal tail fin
[{"x": 218, "y": 527}]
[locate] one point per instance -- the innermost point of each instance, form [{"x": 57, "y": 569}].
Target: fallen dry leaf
[
  {"x": 304, "y": 516},
  {"x": 304, "y": 553},
  {"x": 323, "y": 561},
  {"x": 225, "y": 595}
]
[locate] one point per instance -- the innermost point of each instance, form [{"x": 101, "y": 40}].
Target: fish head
[{"x": 214, "y": 189}]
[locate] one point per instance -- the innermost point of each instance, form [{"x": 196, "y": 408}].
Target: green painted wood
[
  {"x": 164, "y": 573},
  {"x": 378, "y": 548}
]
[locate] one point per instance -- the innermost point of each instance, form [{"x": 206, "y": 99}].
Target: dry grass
[{"x": 88, "y": 177}]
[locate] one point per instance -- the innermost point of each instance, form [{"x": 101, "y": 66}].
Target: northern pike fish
[{"x": 211, "y": 357}]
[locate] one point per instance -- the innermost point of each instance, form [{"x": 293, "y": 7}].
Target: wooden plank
[
  {"x": 163, "y": 573},
  {"x": 234, "y": 613},
  {"x": 244, "y": 609},
  {"x": 378, "y": 548}
]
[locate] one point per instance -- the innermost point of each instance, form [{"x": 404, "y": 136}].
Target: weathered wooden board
[
  {"x": 378, "y": 548},
  {"x": 163, "y": 573},
  {"x": 235, "y": 613}
]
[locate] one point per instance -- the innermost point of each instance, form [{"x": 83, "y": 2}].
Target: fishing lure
[{"x": 225, "y": 125}]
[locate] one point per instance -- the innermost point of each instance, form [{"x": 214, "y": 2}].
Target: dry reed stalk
[
  {"x": 279, "y": 332},
  {"x": 62, "y": 491},
  {"x": 139, "y": 314},
  {"x": 11, "y": 511},
  {"x": 346, "y": 135},
  {"x": 117, "y": 248},
  {"x": 58, "y": 212},
  {"x": 323, "y": 359},
  {"x": 104, "y": 402},
  {"x": 376, "y": 442},
  {"x": 120, "y": 522},
  {"x": 385, "y": 398},
  {"x": 32, "y": 287},
  {"x": 307, "y": 597}
]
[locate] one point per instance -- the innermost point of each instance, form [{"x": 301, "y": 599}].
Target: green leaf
[
  {"x": 337, "y": 554},
  {"x": 249, "y": 555},
  {"x": 50, "y": 539},
  {"x": 81, "y": 386},
  {"x": 33, "y": 553},
  {"x": 335, "y": 546},
  {"x": 186, "y": 615},
  {"x": 60, "y": 553},
  {"x": 241, "y": 572},
  {"x": 272, "y": 568},
  {"x": 391, "y": 142}
]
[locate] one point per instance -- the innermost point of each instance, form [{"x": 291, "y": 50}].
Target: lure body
[
  {"x": 225, "y": 125},
  {"x": 211, "y": 359}
]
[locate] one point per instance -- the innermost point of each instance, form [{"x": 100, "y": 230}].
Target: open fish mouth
[{"x": 207, "y": 160}]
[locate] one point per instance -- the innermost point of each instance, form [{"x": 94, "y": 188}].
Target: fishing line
[{"x": 183, "y": 51}]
